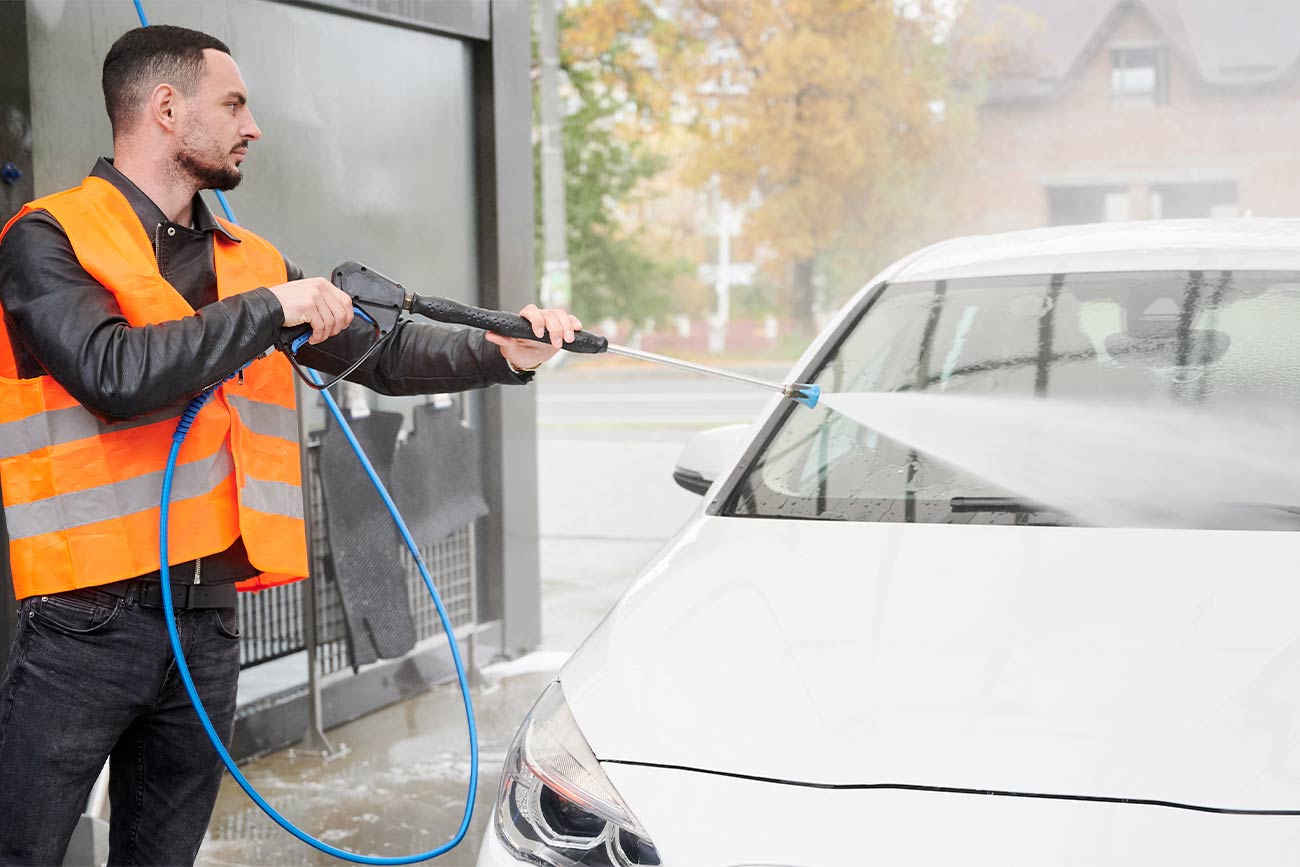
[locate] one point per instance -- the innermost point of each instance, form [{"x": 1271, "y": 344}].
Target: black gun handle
[
  {"x": 288, "y": 341},
  {"x": 505, "y": 324}
]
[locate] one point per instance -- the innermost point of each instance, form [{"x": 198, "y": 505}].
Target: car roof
[{"x": 1243, "y": 244}]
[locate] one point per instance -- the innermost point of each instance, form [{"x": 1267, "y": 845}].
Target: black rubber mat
[
  {"x": 365, "y": 545},
  {"x": 437, "y": 478}
]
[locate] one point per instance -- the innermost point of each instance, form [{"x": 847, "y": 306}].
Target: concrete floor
[{"x": 400, "y": 787}]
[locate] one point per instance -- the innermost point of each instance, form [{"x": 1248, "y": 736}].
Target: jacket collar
[{"x": 150, "y": 214}]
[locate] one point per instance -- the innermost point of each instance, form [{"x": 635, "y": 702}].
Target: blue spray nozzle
[{"x": 806, "y": 394}]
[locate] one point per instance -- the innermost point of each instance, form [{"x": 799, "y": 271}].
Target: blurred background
[{"x": 734, "y": 171}]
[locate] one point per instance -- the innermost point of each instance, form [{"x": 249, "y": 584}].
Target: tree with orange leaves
[{"x": 819, "y": 114}]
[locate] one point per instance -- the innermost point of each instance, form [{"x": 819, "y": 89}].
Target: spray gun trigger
[{"x": 381, "y": 298}]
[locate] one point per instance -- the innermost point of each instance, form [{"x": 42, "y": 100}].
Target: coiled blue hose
[
  {"x": 178, "y": 438},
  {"x": 182, "y": 429}
]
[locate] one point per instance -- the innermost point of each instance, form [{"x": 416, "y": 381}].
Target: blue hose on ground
[
  {"x": 178, "y": 438},
  {"x": 182, "y": 429}
]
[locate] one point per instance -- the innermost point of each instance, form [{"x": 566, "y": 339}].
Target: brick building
[{"x": 1130, "y": 109}]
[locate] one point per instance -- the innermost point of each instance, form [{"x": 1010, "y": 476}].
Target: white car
[{"x": 856, "y": 655}]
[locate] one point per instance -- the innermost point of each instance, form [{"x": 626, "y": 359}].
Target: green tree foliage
[{"x": 612, "y": 274}]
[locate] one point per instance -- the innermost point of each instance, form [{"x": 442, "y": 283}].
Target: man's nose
[{"x": 250, "y": 129}]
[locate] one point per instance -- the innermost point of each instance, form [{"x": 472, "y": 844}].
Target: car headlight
[{"x": 556, "y": 806}]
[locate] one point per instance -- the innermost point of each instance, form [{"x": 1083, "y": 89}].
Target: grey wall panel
[
  {"x": 15, "y": 110},
  {"x": 69, "y": 127},
  {"x": 367, "y": 149},
  {"x": 511, "y": 587}
]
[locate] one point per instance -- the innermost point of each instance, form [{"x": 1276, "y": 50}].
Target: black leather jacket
[{"x": 64, "y": 323}]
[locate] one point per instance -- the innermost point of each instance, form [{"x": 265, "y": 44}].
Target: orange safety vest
[{"x": 81, "y": 495}]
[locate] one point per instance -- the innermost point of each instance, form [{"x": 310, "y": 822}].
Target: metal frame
[
  {"x": 15, "y": 147},
  {"x": 314, "y": 736},
  {"x": 510, "y": 581},
  {"x": 505, "y": 596},
  {"x": 497, "y": 33},
  {"x": 464, "y": 19},
  {"x": 278, "y": 721},
  {"x": 307, "y": 618}
]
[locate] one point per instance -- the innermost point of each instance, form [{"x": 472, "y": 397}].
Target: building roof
[
  {"x": 1228, "y": 44},
  {"x": 1247, "y": 244}
]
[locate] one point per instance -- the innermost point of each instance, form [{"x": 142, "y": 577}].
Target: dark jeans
[{"x": 91, "y": 676}]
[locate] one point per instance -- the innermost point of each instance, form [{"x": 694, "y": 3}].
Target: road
[
  {"x": 617, "y": 434},
  {"x": 593, "y": 395}
]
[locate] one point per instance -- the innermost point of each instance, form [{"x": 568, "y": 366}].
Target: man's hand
[
  {"x": 317, "y": 302},
  {"x": 528, "y": 354}
]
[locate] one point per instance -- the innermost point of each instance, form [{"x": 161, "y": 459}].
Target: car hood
[{"x": 1150, "y": 664}]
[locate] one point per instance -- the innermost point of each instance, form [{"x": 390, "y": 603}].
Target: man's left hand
[{"x": 558, "y": 325}]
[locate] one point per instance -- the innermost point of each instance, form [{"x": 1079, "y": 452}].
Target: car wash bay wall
[{"x": 394, "y": 133}]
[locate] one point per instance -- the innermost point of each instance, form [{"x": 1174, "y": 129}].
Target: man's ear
[{"x": 165, "y": 107}]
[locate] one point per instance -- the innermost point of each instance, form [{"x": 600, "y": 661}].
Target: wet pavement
[
  {"x": 398, "y": 789},
  {"x": 400, "y": 786}
]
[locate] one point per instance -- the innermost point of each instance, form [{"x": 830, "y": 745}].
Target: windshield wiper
[
  {"x": 996, "y": 504},
  {"x": 1017, "y": 506},
  {"x": 1273, "y": 507}
]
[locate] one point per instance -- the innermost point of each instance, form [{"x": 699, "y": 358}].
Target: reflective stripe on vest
[
  {"x": 266, "y": 418},
  {"x": 81, "y": 494},
  {"x": 59, "y": 426},
  {"x": 78, "y": 508}
]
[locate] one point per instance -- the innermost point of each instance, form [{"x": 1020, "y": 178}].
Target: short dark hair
[{"x": 143, "y": 58}]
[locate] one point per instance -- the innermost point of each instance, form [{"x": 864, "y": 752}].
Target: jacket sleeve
[
  {"x": 419, "y": 358},
  {"x": 74, "y": 329}
]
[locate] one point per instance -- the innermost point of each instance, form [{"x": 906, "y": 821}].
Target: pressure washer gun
[{"x": 381, "y": 302}]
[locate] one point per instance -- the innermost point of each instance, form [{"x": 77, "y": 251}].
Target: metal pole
[
  {"x": 722, "y": 278},
  {"x": 475, "y": 679},
  {"x": 314, "y": 738},
  {"x": 471, "y": 544},
  {"x": 697, "y": 368}
]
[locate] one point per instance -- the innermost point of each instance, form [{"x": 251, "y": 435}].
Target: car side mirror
[{"x": 707, "y": 455}]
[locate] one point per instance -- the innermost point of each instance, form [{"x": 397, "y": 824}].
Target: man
[{"x": 122, "y": 299}]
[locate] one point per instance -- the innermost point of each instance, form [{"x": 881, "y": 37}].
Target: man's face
[{"x": 217, "y": 126}]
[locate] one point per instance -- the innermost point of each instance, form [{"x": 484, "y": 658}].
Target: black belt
[
  {"x": 182, "y": 573},
  {"x": 149, "y": 593}
]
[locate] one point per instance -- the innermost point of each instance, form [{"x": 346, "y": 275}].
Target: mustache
[{"x": 243, "y": 144}]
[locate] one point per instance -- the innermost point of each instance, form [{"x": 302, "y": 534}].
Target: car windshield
[{"x": 1184, "y": 339}]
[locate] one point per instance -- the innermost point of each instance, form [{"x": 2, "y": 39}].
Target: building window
[
  {"x": 1070, "y": 206},
  {"x": 1138, "y": 76},
  {"x": 1192, "y": 201}
]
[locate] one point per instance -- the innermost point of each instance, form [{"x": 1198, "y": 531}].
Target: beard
[{"x": 207, "y": 166}]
